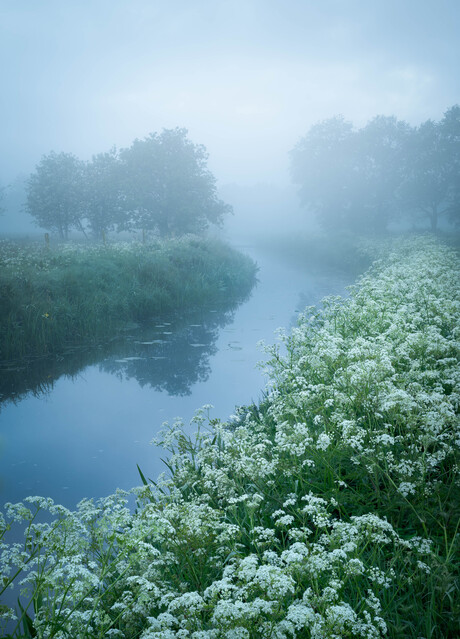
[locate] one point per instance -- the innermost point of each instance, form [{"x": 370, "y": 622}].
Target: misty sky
[{"x": 247, "y": 78}]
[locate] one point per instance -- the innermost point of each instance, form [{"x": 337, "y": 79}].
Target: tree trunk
[{"x": 82, "y": 229}]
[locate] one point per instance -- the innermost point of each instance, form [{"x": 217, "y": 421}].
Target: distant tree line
[
  {"x": 160, "y": 184},
  {"x": 362, "y": 179},
  {"x": 2, "y": 197}
]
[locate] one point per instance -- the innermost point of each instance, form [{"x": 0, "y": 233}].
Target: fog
[{"x": 247, "y": 78}]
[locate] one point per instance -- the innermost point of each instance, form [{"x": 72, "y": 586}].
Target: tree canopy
[
  {"x": 103, "y": 196},
  {"x": 361, "y": 179},
  {"x": 161, "y": 183},
  {"x": 55, "y": 193},
  {"x": 168, "y": 186}
]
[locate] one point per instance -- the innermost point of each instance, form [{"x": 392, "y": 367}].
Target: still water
[{"x": 87, "y": 418}]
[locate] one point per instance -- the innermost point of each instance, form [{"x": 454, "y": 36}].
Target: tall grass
[
  {"x": 329, "y": 510},
  {"x": 51, "y": 299}
]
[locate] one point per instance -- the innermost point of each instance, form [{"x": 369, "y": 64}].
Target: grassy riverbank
[
  {"x": 329, "y": 510},
  {"x": 74, "y": 294}
]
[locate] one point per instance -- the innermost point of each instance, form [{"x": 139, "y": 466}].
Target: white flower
[{"x": 323, "y": 442}]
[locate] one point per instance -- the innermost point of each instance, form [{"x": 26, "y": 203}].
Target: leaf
[
  {"x": 27, "y": 623},
  {"x": 167, "y": 465},
  {"x": 144, "y": 481}
]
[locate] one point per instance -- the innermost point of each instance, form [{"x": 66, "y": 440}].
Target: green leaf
[
  {"x": 27, "y": 623},
  {"x": 144, "y": 481}
]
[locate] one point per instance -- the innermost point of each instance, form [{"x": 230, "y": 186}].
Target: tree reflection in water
[
  {"x": 170, "y": 357},
  {"x": 168, "y": 354}
]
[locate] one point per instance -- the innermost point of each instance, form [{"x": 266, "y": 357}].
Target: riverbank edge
[{"x": 53, "y": 299}]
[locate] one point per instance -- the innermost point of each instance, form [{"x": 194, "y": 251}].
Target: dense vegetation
[
  {"x": 82, "y": 293},
  {"x": 328, "y": 510},
  {"x": 159, "y": 184},
  {"x": 388, "y": 171}
]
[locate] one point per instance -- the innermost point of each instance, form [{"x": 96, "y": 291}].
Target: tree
[
  {"x": 322, "y": 167},
  {"x": 426, "y": 186},
  {"x": 350, "y": 177},
  {"x": 450, "y": 128},
  {"x": 167, "y": 185},
  {"x": 431, "y": 186},
  {"x": 55, "y": 193},
  {"x": 103, "y": 195},
  {"x": 379, "y": 170}
]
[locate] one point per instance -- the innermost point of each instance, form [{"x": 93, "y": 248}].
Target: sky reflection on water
[{"x": 85, "y": 436}]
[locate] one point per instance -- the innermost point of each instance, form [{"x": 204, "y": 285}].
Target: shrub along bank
[
  {"x": 329, "y": 510},
  {"x": 79, "y": 294}
]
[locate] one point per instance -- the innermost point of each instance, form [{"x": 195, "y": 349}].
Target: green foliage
[
  {"x": 363, "y": 179},
  {"x": 168, "y": 187},
  {"x": 52, "y": 299},
  {"x": 329, "y": 510},
  {"x": 451, "y": 136},
  {"x": 378, "y": 170},
  {"x": 55, "y": 193},
  {"x": 427, "y": 182},
  {"x": 103, "y": 196},
  {"x": 320, "y": 166},
  {"x": 160, "y": 184}
]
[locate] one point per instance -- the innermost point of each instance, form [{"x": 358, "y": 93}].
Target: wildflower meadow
[{"x": 329, "y": 509}]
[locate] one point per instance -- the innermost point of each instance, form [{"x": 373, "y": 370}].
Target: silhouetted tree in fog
[
  {"x": 161, "y": 183},
  {"x": 322, "y": 166},
  {"x": 168, "y": 187},
  {"x": 350, "y": 178},
  {"x": 362, "y": 179},
  {"x": 379, "y": 157},
  {"x": 55, "y": 193},
  {"x": 103, "y": 197},
  {"x": 451, "y": 135},
  {"x": 426, "y": 188}
]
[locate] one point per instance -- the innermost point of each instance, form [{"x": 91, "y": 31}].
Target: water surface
[{"x": 90, "y": 417}]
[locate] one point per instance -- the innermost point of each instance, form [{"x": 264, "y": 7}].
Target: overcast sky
[{"x": 247, "y": 78}]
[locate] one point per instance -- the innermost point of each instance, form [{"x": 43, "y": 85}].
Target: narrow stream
[{"x": 81, "y": 434}]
